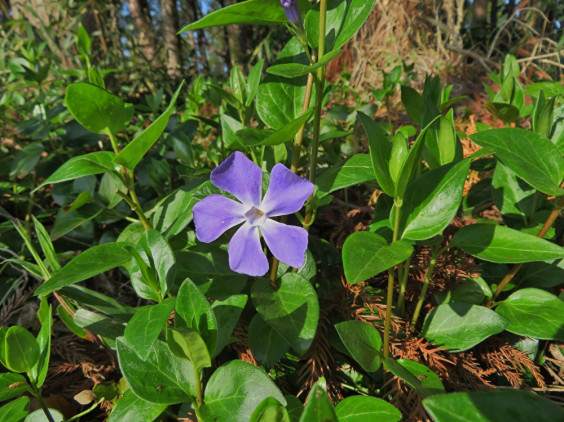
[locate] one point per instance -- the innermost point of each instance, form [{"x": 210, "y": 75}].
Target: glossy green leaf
[
  {"x": 280, "y": 100},
  {"x": 253, "y": 137},
  {"x": 460, "y": 326},
  {"x": 12, "y": 385},
  {"x": 513, "y": 197},
  {"x": 196, "y": 312},
  {"x": 161, "y": 378},
  {"x": 46, "y": 245},
  {"x": 416, "y": 375},
  {"x": 210, "y": 272},
  {"x": 15, "y": 411},
  {"x": 270, "y": 410},
  {"x": 173, "y": 213},
  {"x": 45, "y": 315},
  {"x": 83, "y": 165},
  {"x": 503, "y": 111},
  {"x": 534, "y": 313},
  {"x": 98, "y": 324},
  {"x": 227, "y": 313},
  {"x": 146, "y": 325},
  {"x": 542, "y": 274},
  {"x": 99, "y": 302},
  {"x": 267, "y": 346},
  {"x": 363, "y": 342},
  {"x": 414, "y": 104},
  {"x": 532, "y": 157},
  {"x": 235, "y": 390},
  {"x": 186, "y": 343},
  {"x": 21, "y": 351},
  {"x": 398, "y": 155},
  {"x": 363, "y": 408},
  {"x": 469, "y": 290},
  {"x": 242, "y": 13},
  {"x": 432, "y": 200},
  {"x": 318, "y": 405},
  {"x": 96, "y": 109},
  {"x": 91, "y": 262},
  {"x": 253, "y": 82},
  {"x": 344, "y": 19},
  {"x": 380, "y": 150},
  {"x": 366, "y": 254},
  {"x": 292, "y": 309},
  {"x": 294, "y": 70},
  {"x": 129, "y": 407},
  {"x": 138, "y": 147},
  {"x": 354, "y": 171},
  {"x": 69, "y": 221},
  {"x": 493, "y": 406},
  {"x": 67, "y": 319},
  {"x": 154, "y": 274},
  {"x": 501, "y": 244}
]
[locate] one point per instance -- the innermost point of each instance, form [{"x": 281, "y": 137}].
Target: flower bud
[{"x": 293, "y": 13}]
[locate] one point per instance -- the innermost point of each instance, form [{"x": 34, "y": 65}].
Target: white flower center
[{"x": 254, "y": 216}]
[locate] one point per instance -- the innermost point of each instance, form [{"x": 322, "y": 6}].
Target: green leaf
[
  {"x": 138, "y": 147},
  {"x": 227, "y": 313},
  {"x": 469, "y": 290},
  {"x": 280, "y": 100},
  {"x": 292, "y": 309},
  {"x": 26, "y": 160},
  {"x": 96, "y": 109},
  {"x": 354, "y": 171},
  {"x": 460, "y": 326},
  {"x": 158, "y": 262},
  {"x": 99, "y": 302},
  {"x": 318, "y": 406},
  {"x": 45, "y": 315},
  {"x": 504, "y": 245},
  {"x": 432, "y": 200},
  {"x": 367, "y": 254},
  {"x": 83, "y": 165},
  {"x": 196, "y": 312},
  {"x": 294, "y": 70},
  {"x": 186, "y": 343},
  {"x": 210, "y": 272},
  {"x": 363, "y": 408},
  {"x": 21, "y": 351},
  {"x": 270, "y": 410},
  {"x": 492, "y": 406},
  {"x": 242, "y": 13},
  {"x": 416, "y": 375},
  {"x": 98, "y": 324},
  {"x": 253, "y": 82},
  {"x": 46, "y": 245},
  {"x": 414, "y": 104},
  {"x": 146, "y": 325},
  {"x": 532, "y": 157},
  {"x": 363, "y": 342},
  {"x": 542, "y": 274},
  {"x": 67, "y": 319},
  {"x": 83, "y": 41},
  {"x": 12, "y": 385},
  {"x": 91, "y": 262},
  {"x": 344, "y": 19},
  {"x": 380, "y": 150},
  {"x": 69, "y": 221},
  {"x": 235, "y": 390},
  {"x": 253, "y": 137},
  {"x": 534, "y": 313},
  {"x": 129, "y": 407},
  {"x": 511, "y": 195},
  {"x": 503, "y": 111},
  {"x": 267, "y": 346},
  {"x": 15, "y": 411},
  {"x": 161, "y": 378}
]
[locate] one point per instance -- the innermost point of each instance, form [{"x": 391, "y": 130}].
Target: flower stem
[
  {"x": 36, "y": 392},
  {"x": 300, "y": 134},
  {"x": 434, "y": 256},
  {"x": 390, "y": 294},
  {"x": 402, "y": 285},
  {"x": 509, "y": 276}
]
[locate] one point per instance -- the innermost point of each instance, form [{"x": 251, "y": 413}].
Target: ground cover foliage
[{"x": 423, "y": 226}]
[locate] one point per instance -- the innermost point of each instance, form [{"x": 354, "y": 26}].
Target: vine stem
[
  {"x": 128, "y": 180},
  {"x": 434, "y": 255},
  {"x": 37, "y": 394},
  {"x": 390, "y": 293},
  {"x": 509, "y": 276}
]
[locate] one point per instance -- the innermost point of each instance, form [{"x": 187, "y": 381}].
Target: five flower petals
[{"x": 286, "y": 194}]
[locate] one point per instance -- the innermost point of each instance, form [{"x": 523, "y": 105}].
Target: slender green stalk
[
  {"x": 403, "y": 284},
  {"x": 434, "y": 256},
  {"x": 36, "y": 392},
  {"x": 199, "y": 398},
  {"x": 81, "y": 414},
  {"x": 300, "y": 135},
  {"x": 390, "y": 293}
]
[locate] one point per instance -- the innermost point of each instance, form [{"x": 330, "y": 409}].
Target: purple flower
[
  {"x": 286, "y": 194},
  {"x": 293, "y": 13}
]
